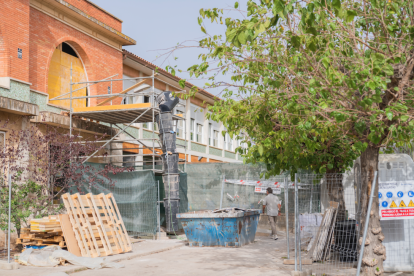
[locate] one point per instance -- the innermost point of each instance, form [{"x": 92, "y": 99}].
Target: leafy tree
[
  {"x": 309, "y": 146},
  {"x": 44, "y": 164},
  {"x": 28, "y": 201},
  {"x": 345, "y": 65}
]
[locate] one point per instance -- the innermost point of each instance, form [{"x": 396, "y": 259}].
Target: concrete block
[
  {"x": 292, "y": 262},
  {"x": 298, "y": 273},
  {"x": 9, "y": 266},
  {"x": 308, "y": 272}
]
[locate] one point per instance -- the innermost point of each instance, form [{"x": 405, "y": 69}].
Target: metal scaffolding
[{"x": 123, "y": 116}]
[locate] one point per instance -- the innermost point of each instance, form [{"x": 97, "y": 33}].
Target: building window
[
  {"x": 228, "y": 142},
  {"x": 146, "y": 100},
  {"x": 192, "y": 130},
  {"x": 180, "y": 124},
  {"x": 215, "y": 138},
  {"x": 63, "y": 59},
  {"x": 210, "y": 134},
  {"x": 128, "y": 160},
  {"x": 199, "y": 136},
  {"x": 2, "y": 141}
]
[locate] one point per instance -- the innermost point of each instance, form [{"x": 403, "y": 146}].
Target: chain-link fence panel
[
  {"x": 396, "y": 185},
  {"x": 183, "y": 208},
  {"x": 215, "y": 185},
  {"x": 326, "y": 223},
  {"x": 136, "y": 196}
]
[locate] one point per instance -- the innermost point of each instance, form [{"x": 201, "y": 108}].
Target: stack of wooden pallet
[
  {"x": 44, "y": 231},
  {"x": 46, "y": 224},
  {"x": 97, "y": 224}
]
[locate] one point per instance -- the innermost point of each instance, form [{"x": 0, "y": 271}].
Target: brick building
[{"x": 41, "y": 40}]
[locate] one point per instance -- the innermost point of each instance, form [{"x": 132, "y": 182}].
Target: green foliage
[
  {"x": 28, "y": 200},
  {"x": 314, "y": 83}
]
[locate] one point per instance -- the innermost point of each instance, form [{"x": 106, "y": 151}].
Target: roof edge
[
  {"x": 166, "y": 74},
  {"x": 105, "y": 11}
]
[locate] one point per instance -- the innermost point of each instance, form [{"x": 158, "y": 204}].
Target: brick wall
[
  {"x": 4, "y": 58},
  {"x": 100, "y": 60},
  {"x": 96, "y": 12},
  {"x": 14, "y": 34}
]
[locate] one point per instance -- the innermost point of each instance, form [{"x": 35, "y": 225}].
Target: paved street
[{"x": 264, "y": 257}]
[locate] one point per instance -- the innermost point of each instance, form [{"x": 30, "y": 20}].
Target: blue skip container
[{"x": 226, "y": 227}]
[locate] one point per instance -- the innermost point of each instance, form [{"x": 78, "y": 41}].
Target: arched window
[{"x": 63, "y": 58}]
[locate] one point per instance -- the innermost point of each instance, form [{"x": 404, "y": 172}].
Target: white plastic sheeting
[
  {"x": 50, "y": 256},
  {"x": 308, "y": 224}
]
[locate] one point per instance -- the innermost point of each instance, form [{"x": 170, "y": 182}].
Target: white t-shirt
[{"x": 271, "y": 201}]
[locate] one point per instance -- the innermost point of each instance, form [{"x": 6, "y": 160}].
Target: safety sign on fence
[
  {"x": 262, "y": 190},
  {"x": 396, "y": 200}
]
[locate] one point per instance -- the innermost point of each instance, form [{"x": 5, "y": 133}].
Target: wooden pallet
[
  {"x": 97, "y": 224},
  {"x": 29, "y": 237}
]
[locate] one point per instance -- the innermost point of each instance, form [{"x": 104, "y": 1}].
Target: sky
[{"x": 157, "y": 25}]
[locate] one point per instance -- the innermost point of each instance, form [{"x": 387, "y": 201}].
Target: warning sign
[
  {"x": 393, "y": 198},
  {"x": 397, "y": 213},
  {"x": 262, "y": 190}
]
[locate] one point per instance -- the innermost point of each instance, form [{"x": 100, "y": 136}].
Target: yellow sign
[
  {"x": 393, "y": 205},
  {"x": 411, "y": 204},
  {"x": 402, "y": 204}
]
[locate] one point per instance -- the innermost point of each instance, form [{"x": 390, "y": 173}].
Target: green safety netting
[{"x": 135, "y": 194}]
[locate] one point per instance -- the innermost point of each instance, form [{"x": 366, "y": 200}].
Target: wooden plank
[
  {"x": 330, "y": 234},
  {"x": 145, "y": 81},
  {"x": 112, "y": 107},
  {"x": 292, "y": 262},
  {"x": 316, "y": 238},
  {"x": 69, "y": 235}
]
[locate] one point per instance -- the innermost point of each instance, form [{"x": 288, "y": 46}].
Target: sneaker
[{"x": 275, "y": 237}]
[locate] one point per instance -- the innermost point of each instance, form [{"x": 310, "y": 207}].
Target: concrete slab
[
  {"x": 263, "y": 257},
  {"x": 4, "y": 265}
]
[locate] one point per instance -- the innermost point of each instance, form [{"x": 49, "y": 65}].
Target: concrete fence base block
[
  {"x": 8, "y": 266},
  {"x": 308, "y": 272},
  {"x": 298, "y": 273}
]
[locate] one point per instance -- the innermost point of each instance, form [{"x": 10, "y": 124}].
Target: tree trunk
[
  {"x": 336, "y": 192},
  {"x": 374, "y": 252}
]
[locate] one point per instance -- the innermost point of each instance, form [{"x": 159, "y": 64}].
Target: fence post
[
  {"x": 159, "y": 211},
  {"x": 287, "y": 215},
  {"x": 311, "y": 198},
  {"x": 361, "y": 255},
  {"x": 296, "y": 225},
  {"x": 222, "y": 191},
  {"x": 8, "y": 226}
]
